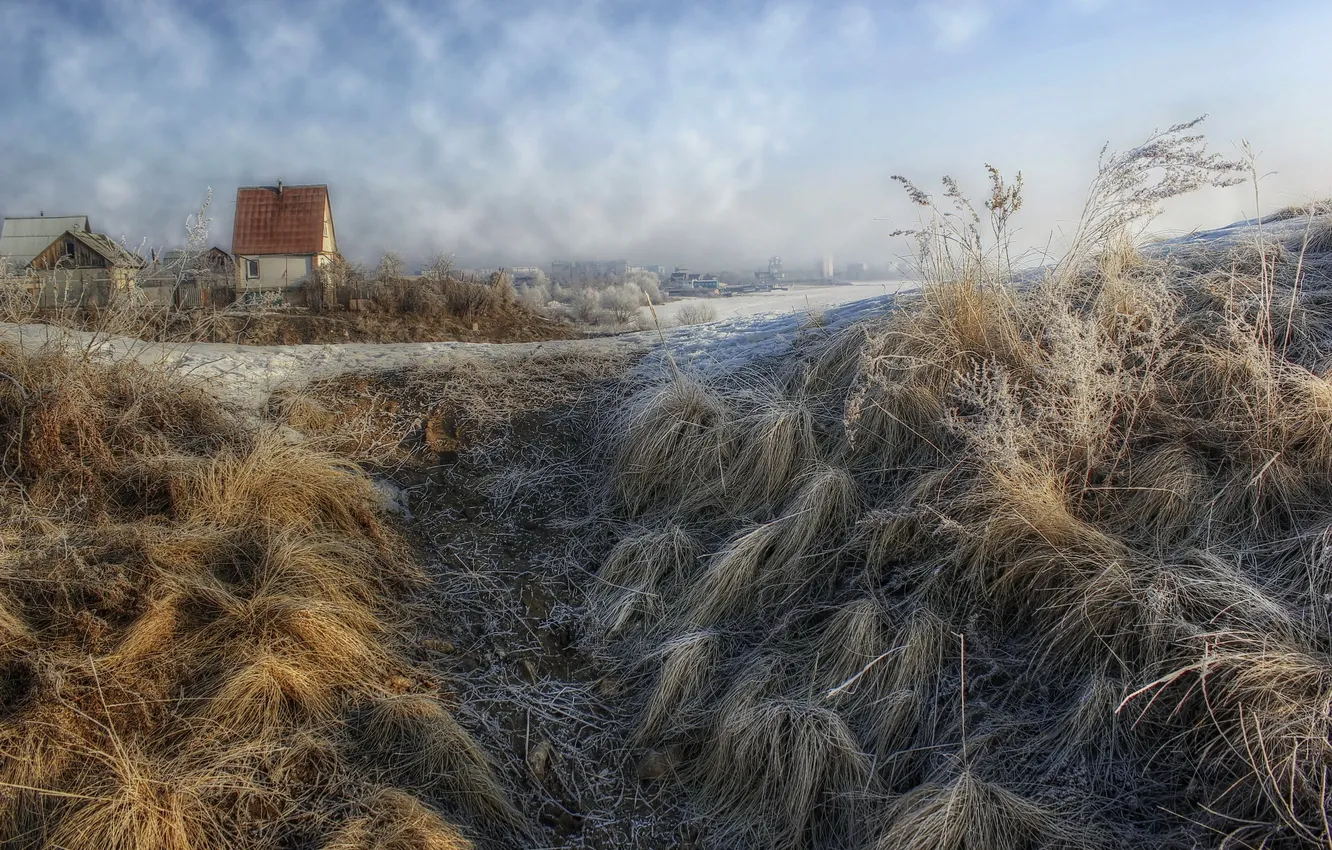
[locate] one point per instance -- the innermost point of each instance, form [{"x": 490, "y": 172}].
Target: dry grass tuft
[
  {"x": 678, "y": 703},
  {"x": 397, "y": 821},
  {"x": 970, "y": 812},
  {"x": 422, "y": 747},
  {"x": 673, "y": 444},
  {"x": 133, "y": 802},
  {"x": 637, "y": 572},
  {"x": 805, "y": 789},
  {"x": 189, "y": 609}
]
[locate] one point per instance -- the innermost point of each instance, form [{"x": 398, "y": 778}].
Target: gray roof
[
  {"x": 24, "y": 238},
  {"x": 176, "y": 255},
  {"x": 112, "y": 251}
]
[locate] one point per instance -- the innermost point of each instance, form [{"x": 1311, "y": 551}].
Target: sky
[{"x": 673, "y": 132}]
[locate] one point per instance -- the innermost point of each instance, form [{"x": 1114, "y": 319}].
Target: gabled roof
[
  {"x": 115, "y": 254},
  {"x": 178, "y": 255},
  {"x": 21, "y": 239},
  {"x": 279, "y": 220}
]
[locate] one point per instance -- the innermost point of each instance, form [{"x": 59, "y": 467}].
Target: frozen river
[{"x": 798, "y": 299}]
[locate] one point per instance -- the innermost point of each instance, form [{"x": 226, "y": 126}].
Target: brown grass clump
[
  {"x": 423, "y": 748},
  {"x": 677, "y": 705},
  {"x": 190, "y": 607},
  {"x": 129, "y": 801},
  {"x": 1318, "y": 207},
  {"x": 1065, "y": 531},
  {"x": 638, "y": 572},
  {"x": 397, "y": 821},
  {"x": 677, "y": 427},
  {"x": 802, "y": 790}
]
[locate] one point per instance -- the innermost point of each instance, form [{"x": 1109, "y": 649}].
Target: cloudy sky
[{"x": 664, "y": 131}]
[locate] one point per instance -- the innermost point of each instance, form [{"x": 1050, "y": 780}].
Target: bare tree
[{"x": 391, "y": 267}]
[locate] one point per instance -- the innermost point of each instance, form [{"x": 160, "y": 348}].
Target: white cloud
[
  {"x": 855, "y": 28},
  {"x": 527, "y": 133},
  {"x": 957, "y": 24}
]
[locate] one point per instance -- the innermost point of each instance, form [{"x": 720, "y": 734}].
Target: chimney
[{"x": 279, "y": 188}]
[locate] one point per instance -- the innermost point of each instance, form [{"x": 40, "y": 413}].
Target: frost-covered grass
[{"x": 1033, "y": 560}]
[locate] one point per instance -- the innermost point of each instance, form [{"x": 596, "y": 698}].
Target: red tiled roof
[{"x": 273, "y": 222}]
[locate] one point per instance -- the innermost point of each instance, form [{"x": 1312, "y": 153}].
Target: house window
[{"x": 251, "y": 269}]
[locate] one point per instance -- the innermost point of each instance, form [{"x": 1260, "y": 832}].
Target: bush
[
  {"x": 585, "y": 304},
  {"x": 439, "y": 291},
  {"x": 696, "y": 313},
  {"x": 622, "y": 302}
]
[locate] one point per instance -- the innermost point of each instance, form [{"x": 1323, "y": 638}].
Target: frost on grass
[{"x": 1038, "y": 559}]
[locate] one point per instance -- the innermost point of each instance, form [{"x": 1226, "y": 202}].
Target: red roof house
[{"x": 281, "y": 233}]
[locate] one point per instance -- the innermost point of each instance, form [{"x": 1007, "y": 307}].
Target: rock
[
  {"x": 392, "y": 497},
  {"x": 538, "y": 761},
  {"x": 560, "y": 819}
]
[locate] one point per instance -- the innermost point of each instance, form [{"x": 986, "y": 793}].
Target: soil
[{"x": 511, "y": 570}]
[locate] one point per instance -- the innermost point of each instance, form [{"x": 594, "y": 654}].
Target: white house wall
[
  {"x": 276, "y": 271},
  {"x": 330, "y": 244}
]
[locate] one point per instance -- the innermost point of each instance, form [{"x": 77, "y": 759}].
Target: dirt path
[{"x": 511, "y": 571}]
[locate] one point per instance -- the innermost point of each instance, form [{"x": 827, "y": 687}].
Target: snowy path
[
  {"x": 798, "y": 299},
  {"x": 245, "y": 375}
]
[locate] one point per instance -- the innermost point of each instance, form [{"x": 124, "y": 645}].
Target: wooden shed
[{"x": 79, "y": 267}]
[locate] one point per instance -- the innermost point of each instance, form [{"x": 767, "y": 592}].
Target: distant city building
[
  {"x": 683, "y": 280},
  {"x": 581, "y": 270},
  {"x": 775, "y": 268},
  {"x": 856, "y": 271},
  {"x": 825, "y": 266}
]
